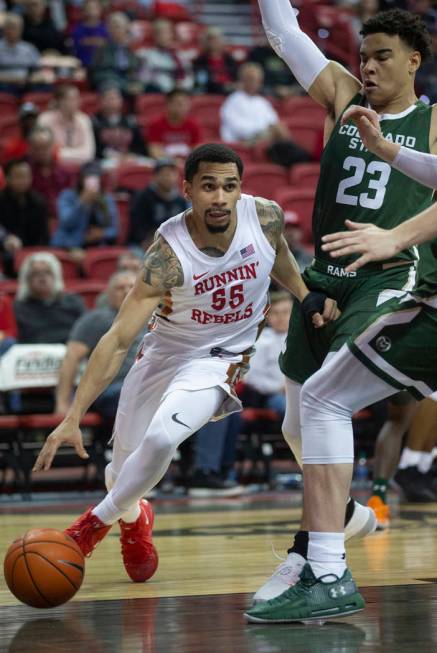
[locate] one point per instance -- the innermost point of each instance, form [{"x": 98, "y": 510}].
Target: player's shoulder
[{"x": 271, "y": 219}]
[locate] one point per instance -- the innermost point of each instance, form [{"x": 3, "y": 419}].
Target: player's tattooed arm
[
  {"x": 161, "y": 266},
  {"x": 271, "y": 218}
]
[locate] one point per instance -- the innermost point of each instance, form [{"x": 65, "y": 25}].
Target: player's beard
[{"x": 217, "y": 228}]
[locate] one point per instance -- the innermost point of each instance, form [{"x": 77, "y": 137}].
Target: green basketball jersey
[{"x": 355, "y": 184}]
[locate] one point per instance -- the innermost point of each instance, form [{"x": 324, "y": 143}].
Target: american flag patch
[{"x": 247, "y": 251}]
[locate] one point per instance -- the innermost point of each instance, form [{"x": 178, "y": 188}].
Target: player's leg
[
  {"x": 180, "y": 414},
  {"x": 413, "y": 475},
  {"x": 329, "y": 399},
  {"x": 401, "y": 410}
]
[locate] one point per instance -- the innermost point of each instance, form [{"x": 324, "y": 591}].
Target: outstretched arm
[
  {"x": 326, "y": 81},
  {"x": 376, "y": 244},
  {"x": 161, "y": 272}
]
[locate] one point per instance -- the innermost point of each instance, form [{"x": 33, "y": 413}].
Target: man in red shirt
[
  {"x": 49, "y": 176},
  {"x": 174, "y": 134}
]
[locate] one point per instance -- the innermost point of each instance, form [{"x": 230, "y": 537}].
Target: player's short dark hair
[
  {"x": 409, "y": 27},
  {"x": 14, "y": 163},
  {"x": 211, "y": 153}
]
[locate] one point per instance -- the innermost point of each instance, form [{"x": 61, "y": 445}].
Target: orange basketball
[{"x": 44, "y": 568}]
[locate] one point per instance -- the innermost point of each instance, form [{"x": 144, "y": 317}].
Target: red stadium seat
[
  {"x": 302, "y": 109},
  {"x": 88, "y": 289},
  {"x": 9, "y": 127},
  {"x": 263, "y": 179},
  {"x": 89, "y": 102},
  {"x": 40, "y": 98},
  {"x": 69, "y": 266},
  {"x": 305, "y": 175},
  {"x": 131, "y": 176},
  {"x": 300, "y": 201},
  {"x": 206, "y": 108},
  {"x": 8, "y": 105},
  {"x": 123, "y": 206},
  {"x": 149, "y": 105},
  {"x": 100, "y": 262},
  {"x": 305, "y": 133}
]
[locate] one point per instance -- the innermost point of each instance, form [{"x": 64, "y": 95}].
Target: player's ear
[
  {"x": 187, "y": 189},
  {"x": 414, "y": 62}
]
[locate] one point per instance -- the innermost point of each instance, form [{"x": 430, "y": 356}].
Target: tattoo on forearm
[
  {"x": 271, "y": 218},
  {"x": 162, "y": 268}
]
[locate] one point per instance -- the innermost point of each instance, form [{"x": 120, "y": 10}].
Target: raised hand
[{"x": 367, "y": 122}]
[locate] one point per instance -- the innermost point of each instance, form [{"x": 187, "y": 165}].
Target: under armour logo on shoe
[{"x": 333, "y": 593}]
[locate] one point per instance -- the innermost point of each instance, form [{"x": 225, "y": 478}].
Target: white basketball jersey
[{"x": 223, "y": 300}]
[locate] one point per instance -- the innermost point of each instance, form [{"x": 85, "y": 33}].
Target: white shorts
[{"x": 151, "y": 379}]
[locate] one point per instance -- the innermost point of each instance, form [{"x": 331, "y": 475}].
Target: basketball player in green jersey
[{"x": 354, "y": 184}]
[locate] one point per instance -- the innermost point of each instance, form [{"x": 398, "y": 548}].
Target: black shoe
[
  {"x": 212, "y": 485},
  {"x": 415, "y": 485}
]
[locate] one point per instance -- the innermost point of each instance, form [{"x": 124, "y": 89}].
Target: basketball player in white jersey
[{"x": 205, "y": 285}]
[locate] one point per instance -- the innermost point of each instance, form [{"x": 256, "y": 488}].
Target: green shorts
[
  {"x": 400, "y": 345},
  {"x": 359, "y": 296}
]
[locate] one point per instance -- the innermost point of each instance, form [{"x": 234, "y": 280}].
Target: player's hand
[
  {"x": 368, "y": 125},
  {"x": 373, "y": 243},
  {"x": 63, "y": 434},
  {"x": 330, "y": 313}
]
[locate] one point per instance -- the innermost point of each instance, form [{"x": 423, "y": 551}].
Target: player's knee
[
  {"x": 316, "y": 403},
  {"x": 158, "y": 445}
]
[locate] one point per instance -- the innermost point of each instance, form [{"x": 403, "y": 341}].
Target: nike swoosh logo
[
  {"x": 199, "y": 276},
  {"x": 178, "y": 421}
]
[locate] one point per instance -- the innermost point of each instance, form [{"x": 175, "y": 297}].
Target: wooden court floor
[{"x": 213, "y": 556}]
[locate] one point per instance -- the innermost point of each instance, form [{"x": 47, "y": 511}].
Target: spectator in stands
[
  {"x": 17, "y": 147},
  {"x": 248, "y": 117},
  {"x": 23, "y": 213},
  {"x": 115, "y": 61},
  {"x": 82, "y": 340},
  {"x": 156, "y": 203},
  {"x": 215, "y": 70},
  {"x": 88, "y": 216},
  {"x": 90, "y": 33},
  {"x": 161, "y": 69},
  {"x": 212, "y": 465},
  {"x": 39, "y": 28},
  {"x": 49, "y": 176},
  {"x": 129, "y": 261},
  {"x": 264, "y": 384},
  {"x": 44, "y": 312},
  {"x": 293, "y": 235},
  {"x": 116, "y": 133},
  {"x": 175, "y": 133},
  {"x": 72, "y": 129},
  {"x": 278, "y": 80},
  {"x": 18, "y": 59}
]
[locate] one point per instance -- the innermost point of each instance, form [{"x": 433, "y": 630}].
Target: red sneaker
[
  {"x": 87, "y": 531},
  {"x": 140, "y": 557}
]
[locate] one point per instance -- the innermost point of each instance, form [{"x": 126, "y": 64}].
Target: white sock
[
  {"x": 425, "y": 462},
  {"x": 105, "y": 511},
  {"x": 131, "y": 515},
  {"x": 409, "y": 458},
  {"x": 326, "y": 554}
]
